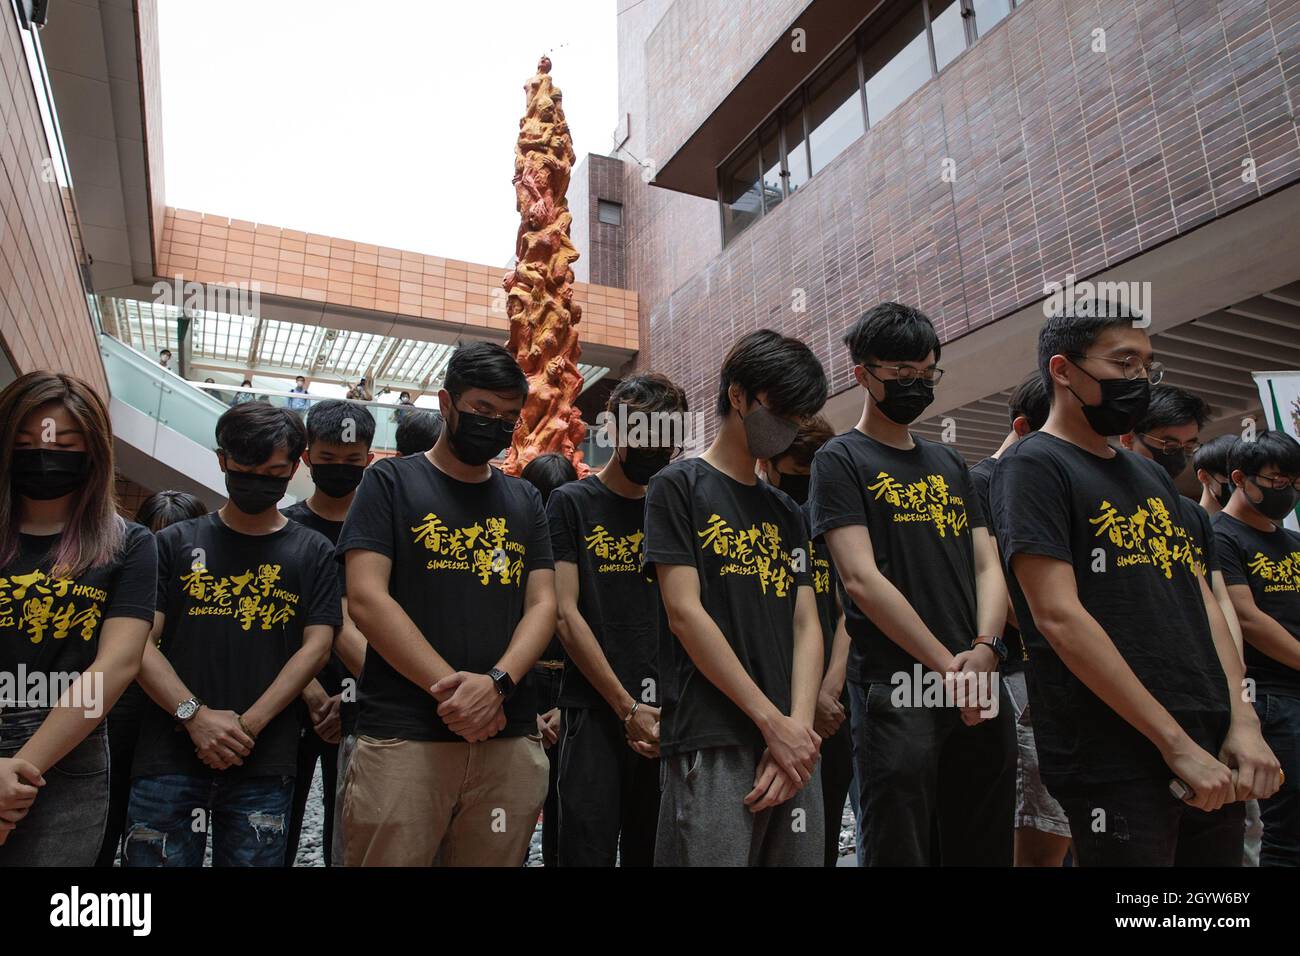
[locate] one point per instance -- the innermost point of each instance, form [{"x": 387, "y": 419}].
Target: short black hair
[
  {"x": 783, "y": 367},
  {"x": 417, "y": 432},
  {"x": 812, "y": 434},
  {"x": 1173, "y": 406},
  {"x": 484, "y": 365},
  {"x": 1031, "y": 399},
  {"x": 648, "y": 392},
  {"x": 326, "y": 421},
  {"x": 1213, "y": 455},
  {"x": 1073, "y": 334},
  {"x": 251, "y": 432},
  {"x": 168, "y": 507},
  {"x": 164, "y": 351},
  {"x": 1268, "y": 448},
  {"x": 547, "y": 472},
  {"x": 894, "y": 332}
]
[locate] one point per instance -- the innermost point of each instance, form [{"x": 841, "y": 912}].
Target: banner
[{"x": 1279, "y": 393}]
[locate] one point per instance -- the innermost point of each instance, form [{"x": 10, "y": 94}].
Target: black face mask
[
  {"x": 767, "y": 434},
  {"x": 337, "y": 480},
  {"x": 1175, "y": 463},
  {"x": 1226, "y": 488},
  {"x": 1275, "y": 504},
  {"x": 642, "y": 464},
  {"x": 796, "y": 486},
  {"x": 477, "y": 439},
  {"x": 1123, "y": 403},
  {"x": 44, "y": 474},
  {"x": 252, "y": 493},
  {"x": 903, "y": 404}
]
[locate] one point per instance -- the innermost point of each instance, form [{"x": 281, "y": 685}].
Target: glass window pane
[
  {"x": 771, "y": 148},
  {"x": 897, "y": 64},
  {"x": 948, "y": 29},
  {"x": 835, "y": 110},
  {"x": 988, "y": 13},
  {"x": 610, "y": 213},
  {"x": 741, "y": 202},
  {"x": 796, "y": 156}
]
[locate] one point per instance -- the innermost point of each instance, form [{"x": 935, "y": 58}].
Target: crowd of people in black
[{"x": 675, "y": 660}]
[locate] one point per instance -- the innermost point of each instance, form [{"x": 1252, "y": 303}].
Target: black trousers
[
  {"x": 1139, "y": 823},
  {"x": 123, "y": 733},
  {"x": 546, "y": 685},
  {"x": 608, "y": 794},
  {"x": 930, "y": 789},
  {"x": 311, "y": 749},
  {"x": 837, "y": 776}
]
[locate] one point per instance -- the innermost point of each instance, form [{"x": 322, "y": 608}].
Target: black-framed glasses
[
  {"x": 1133, "y": 367},
  {"x": 1171, "y": 446},
  {"x": 906, "y": 374},
  {"x": 1276, "y": 482}
]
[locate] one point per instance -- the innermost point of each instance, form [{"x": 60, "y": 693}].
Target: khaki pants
[{"x": 421, "y": 803}]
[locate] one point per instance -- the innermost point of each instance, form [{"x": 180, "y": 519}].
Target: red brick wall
[
  {"x": 44, "y": 320},
  {"x": 1066, "y": 161}
]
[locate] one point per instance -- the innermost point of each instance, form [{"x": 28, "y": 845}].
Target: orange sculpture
[{"x": 539, "y": 290}]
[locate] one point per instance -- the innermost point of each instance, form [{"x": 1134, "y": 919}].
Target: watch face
[{"x": 187, "y": 710}]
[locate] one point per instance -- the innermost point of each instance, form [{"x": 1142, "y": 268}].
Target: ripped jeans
[{"x": 169, "y": 817}]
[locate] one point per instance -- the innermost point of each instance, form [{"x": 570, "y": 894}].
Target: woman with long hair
[
  {"x": 78, "y": 585},
  {"x": 156, "y": 512}
]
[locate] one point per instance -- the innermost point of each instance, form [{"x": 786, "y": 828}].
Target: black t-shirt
[
  {"x": 51, "y": 624},
  {"x": 1118, "y": 522},
  {"x": 602, "y": 533},
  {"x": 750, "y": 547},
  {"x": 1270, "y": 564},
  {"x": 981, "y": 473},
  {"x": 1200, "y": 539},
  {"x": 461, "y": 554},
  {"x": 335, "y": 671},
  {"x": 824, "y": 581},
  {"x": 235, "y": 607},
  {"x": 920, "y": 509}
]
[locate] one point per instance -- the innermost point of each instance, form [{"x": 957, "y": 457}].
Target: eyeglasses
[
  {"x": 1276, "y": 482},
  {"x": 510, "y": 422},
  {"x": 1171, "y": 447},
  {"x": 906, "y": 374},
  {"x": 1154, "y": 372}
]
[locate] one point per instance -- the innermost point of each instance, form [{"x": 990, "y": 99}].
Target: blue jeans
[
  {"x": 65, "y": 826},
  {"x": 249, "y": 820},
  {"x": 1279, "y": 718}
]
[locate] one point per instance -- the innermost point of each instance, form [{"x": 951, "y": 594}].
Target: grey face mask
[{"x": 767, "y": 434}]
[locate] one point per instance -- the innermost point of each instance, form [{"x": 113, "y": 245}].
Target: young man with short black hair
[
  {"x": 1133, "y": 676},
  {"x": 450, "y": 578},
  {"x": 791, "y": 472},
  {"x": 248, "y": 602},
  {"x": 925, "y": 607},
  {"x": 607, "y": 780},
  {"x": 1261, "y": 564},
  {"x": 1042, "y": 833},
  {"x": 1211, "y": 464},
  {"x": 740, "y": 661},
  {"x": 417, "y": 432},
  {"x": 339, "y": 435}
]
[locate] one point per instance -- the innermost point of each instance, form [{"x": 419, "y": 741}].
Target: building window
[
  {"x": 897, "y": 64},
  {"x": 948, "y": 27},
  {"x": 742, "y": 202},
  {"x": 988, "y": 13},
  {"x": 610, "y": 213},
  {"x": 835, "y": 110},
  {"x": 856, "y": 90}
]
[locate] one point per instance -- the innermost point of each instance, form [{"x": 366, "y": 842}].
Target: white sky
[{"x": 399, "y": 131}]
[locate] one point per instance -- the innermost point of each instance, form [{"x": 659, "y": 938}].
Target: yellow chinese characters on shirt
[
  {"x": 619, "y": 553},
  {"x": 484, "y": 549},
  {"x": 928, "y": 501},
  {"x": 821, "y": 566},
  {"x": 1283, "y": 575},
  {"x": 253, "y": 598},
  {"x": 41, "y": 606},
  {"x": 756, "y": 551},
  {"x": 1149, "y": 536}
]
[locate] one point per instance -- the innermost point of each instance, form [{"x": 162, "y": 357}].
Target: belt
[{"x": 550, "y": 665}]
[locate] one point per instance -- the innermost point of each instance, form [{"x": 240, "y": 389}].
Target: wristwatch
[
  {"x": 995, "y": 644},
  {"x": 187, "y": 709},
  {"x": 504, "y": 685}
]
